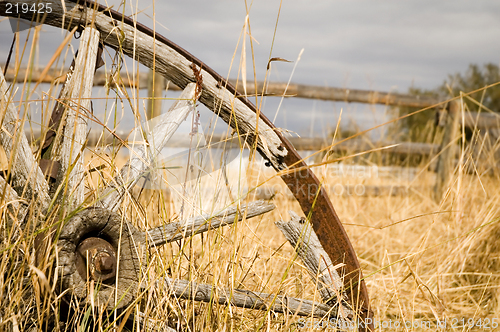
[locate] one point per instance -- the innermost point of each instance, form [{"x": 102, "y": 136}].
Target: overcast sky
[{"x": 362, "y": 44}]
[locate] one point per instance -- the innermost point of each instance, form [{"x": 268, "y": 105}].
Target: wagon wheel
[{"x": 88, "y": 235}]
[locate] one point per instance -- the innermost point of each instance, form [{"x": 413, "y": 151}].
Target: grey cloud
[{"x": 361, "y": 44}]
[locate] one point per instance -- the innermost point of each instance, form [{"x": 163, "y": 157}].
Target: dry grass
[{"x": 423, "y": 260}]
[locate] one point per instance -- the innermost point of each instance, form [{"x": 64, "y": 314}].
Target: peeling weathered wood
[
  {"x": 184, "y": 229},
  {"x": 190, "y": 290},
  {"x": 328, "y": 279},
  {"x": 143, "y": 157},
  {"x": 75, "y": 98},
  {"x": 27, "y": 179}
]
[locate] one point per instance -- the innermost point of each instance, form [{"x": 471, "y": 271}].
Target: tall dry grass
[{"x": 423, "y": 260}]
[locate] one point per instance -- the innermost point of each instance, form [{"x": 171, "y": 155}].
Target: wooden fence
[
  {"x": 450, "y": 115},
  {"x": 354, "y": 145},
  {"x": 142, "y": 80}
]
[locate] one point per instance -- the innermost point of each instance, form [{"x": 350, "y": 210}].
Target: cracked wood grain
[
  {"x": 75, "y": 98},
  {"x": 184, "y": 229},
  {"x": 190, "y": 290}
]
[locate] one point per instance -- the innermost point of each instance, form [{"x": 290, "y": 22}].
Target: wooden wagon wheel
[{"x": 88, "y": 236}]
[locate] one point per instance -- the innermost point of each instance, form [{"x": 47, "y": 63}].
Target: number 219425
[
  {"x": 24, "y": 8},
  {"x": 485, "y": 323}
]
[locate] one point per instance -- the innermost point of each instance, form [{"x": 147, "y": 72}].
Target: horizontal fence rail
[
  {"x": 450, "y": 116},
  {"x": 354, "y": 145},
  {"x": 348, "y": 147},
  {"x": 481, "y": 120},
  {"x": 140, "y": 80}
]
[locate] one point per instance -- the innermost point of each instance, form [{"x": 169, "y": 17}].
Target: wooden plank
[
  {"x": 75, "y": 98},
  {"x": 184, "y": 229},
  {"x": 481, "y": 120},
  {"x": 190, "y": 290},
  {"x": 101, "y": 77},
  {"x": 277, "y": 89},
  {"x": 343, "y": 94},
  {"x": 27, "y": 179},
  {"x": 301, "y": 236}
]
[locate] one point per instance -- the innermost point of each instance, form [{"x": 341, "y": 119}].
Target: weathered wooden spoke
[
  {"x": 101, "y": 255},
  {"x": 141, "y": 162},
  {"x": 25, "y": 176},
  {"x": 177, "y": 230},
  {"x": 190, "y": 290},
  {"x": 98, "y": 243},
  {"x": 299, "y": 233},
  {"x": 301, "y": 236},
  {"x": 68, "y": 145}
]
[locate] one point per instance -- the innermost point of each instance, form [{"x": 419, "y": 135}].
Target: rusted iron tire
[{"x": 100, "y": 245}]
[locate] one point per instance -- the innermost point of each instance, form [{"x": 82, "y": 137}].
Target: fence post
[
  {"x": 446, "y": 158},
  {"x": 156, "y": 85}
]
